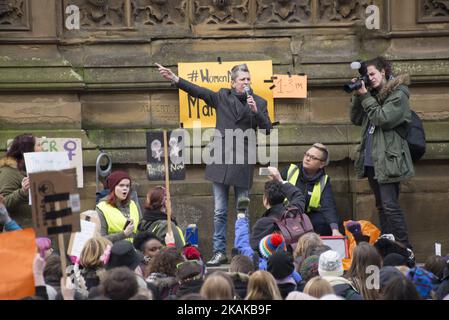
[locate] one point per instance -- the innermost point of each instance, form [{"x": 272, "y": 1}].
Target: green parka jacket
[
  {"x": 386, "y": 110},
  {"x": 16, "y": 201}
]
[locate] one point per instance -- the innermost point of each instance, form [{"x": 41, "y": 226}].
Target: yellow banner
[{"x": 214, "y": 76}]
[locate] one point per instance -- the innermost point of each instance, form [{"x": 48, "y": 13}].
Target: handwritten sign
[
  {"x": 214, "y": 76},
  {"x": 155, "y": 156},
  {"x": 80, "y": 238},
  {"x": 286, "y": 86},
  {"x": 71, "y": 146}
]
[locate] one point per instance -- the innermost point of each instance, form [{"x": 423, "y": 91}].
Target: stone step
[{"x": 223, "y": 267}]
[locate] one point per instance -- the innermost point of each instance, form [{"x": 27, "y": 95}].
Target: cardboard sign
[
  {"x": 214, "y": 76},
  {"x": 337, "y": 243},
  {"x": 155, "y": 156},
  {"x": 286, "y": 86},
  {"x": 90, "y": 227},
  {"x": 17, "y": 251},
  {"x": 55, "y": 202},
  {"x": 71, "y": 146}
]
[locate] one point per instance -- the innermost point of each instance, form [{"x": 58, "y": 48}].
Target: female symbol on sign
[{"x": 69, "y": 146}]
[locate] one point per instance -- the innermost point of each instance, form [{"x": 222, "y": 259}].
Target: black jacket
[
  {"x": 265, "y": 225},
  {"x": 327, "y": 213},
  {"x": 232, "y": 112}
]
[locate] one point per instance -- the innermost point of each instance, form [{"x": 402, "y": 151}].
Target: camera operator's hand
[{"x": 362, "y": 89}]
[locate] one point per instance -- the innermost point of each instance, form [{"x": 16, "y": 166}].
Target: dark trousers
[{"x": 391, "y": 217}]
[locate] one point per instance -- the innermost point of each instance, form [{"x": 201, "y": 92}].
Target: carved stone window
[
  {"x": 14, "y": 15},
  {"x": 433, "y": 11}
]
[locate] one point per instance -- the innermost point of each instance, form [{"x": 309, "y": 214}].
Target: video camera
[{"x": 363, "y": 70}]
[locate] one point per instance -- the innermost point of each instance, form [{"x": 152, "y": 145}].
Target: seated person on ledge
[{"x": 310, "y": 177}]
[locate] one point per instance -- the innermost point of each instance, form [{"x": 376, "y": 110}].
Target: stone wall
[{"x": 99, "y": 83}]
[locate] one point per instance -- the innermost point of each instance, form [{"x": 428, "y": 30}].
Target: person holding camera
[{"x": 380, "y": 107}]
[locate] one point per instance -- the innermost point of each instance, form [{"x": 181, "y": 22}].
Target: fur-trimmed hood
[
  {"x": 399, "y": 82},
  {"x": 8, "y": 162}
]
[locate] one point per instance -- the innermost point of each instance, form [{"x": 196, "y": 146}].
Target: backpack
[
  {"x": 413, "y": 133},
  {"x": 293, "y": 224},
  {"x": 160, "y": 228}
]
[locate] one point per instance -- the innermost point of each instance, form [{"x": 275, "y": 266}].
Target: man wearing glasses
[{"x": 310, "y": 178}]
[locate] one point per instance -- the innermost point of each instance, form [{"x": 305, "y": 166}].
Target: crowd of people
[{"x": 143, "y": 255}]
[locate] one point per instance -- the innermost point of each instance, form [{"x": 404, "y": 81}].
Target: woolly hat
[
  {"x": 271, "y": 243},
  {"x": 114, "y": 179},
  {"x": 395, "y": 259},
  {"x": 191, "y": 253},
  {"x": 309, "y": 268},
  {"x": 330, "y": 264},
  {"x": 280, "y": 265},
  {"x": 387, "y": 274},
  {"x": 123, "y": 254},
  {"x": 423, "y": 281}
]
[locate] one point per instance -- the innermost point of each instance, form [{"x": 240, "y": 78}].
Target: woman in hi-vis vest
[{"x": 119, "y": 215}]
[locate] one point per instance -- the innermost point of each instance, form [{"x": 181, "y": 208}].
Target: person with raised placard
[
  {"x": 237, "y": 108},
  {"x": 14, "y": 183},
  {"x": 119, "y": 214},
  {"x": 309, "y": 176}
]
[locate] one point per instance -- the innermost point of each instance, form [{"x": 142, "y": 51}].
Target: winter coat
[
  {"x": 16, "y": 201},
  {"x": 241, "y": 243},
  {"x": 240, "y": 281},
  {"x": 164, "y": 285},
  {"x": 187, "y": 287},
  {"x": 232, "y": 112},
  {"x": 124, "y": 209},
  {"x": 156, "y": 222},
  {"x": 265, "y": 225},
  {"x": 326, "y": 214},
  {"x": 386, "y": 110},
  {"x": 343, "y": 288}
]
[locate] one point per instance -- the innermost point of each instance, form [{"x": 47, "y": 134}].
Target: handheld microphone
[{"x": 247, "y": 91}]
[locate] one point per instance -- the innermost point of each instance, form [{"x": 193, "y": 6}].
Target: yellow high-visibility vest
[
  {"x": 115, "y": 218},
  {"x": 314, "y": 203}
]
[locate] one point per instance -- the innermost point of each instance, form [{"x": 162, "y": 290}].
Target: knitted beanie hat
[
  {"x": 423, "y": 280},
  {"x": 271, "y": 243},
  {"x": 309, "y": 268},
  {"x": 114, "y": 179},
  {"x": 330, "y": 264}
]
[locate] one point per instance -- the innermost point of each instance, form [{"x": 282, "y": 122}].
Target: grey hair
[
  {"x": 324, "y": 150},
  {"x": 238, "y": 68}
]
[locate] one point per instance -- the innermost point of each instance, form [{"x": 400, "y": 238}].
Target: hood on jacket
[
  {"x": 8, "y": 162},
  {"x": 399, "y": 82},
  {"x": 155, "y": 215}
]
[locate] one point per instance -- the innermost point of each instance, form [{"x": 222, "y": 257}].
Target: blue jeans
[{"x": 221, "y": 196}]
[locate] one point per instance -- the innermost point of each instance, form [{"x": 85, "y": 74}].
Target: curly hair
[
  {"x": 143, "y": 237},
  {"x": 165, "y": 261},
  {"x": 273, "y": 192},
  {"x": 20, "y": 145},
  {"x": 381, "y": 63}
]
